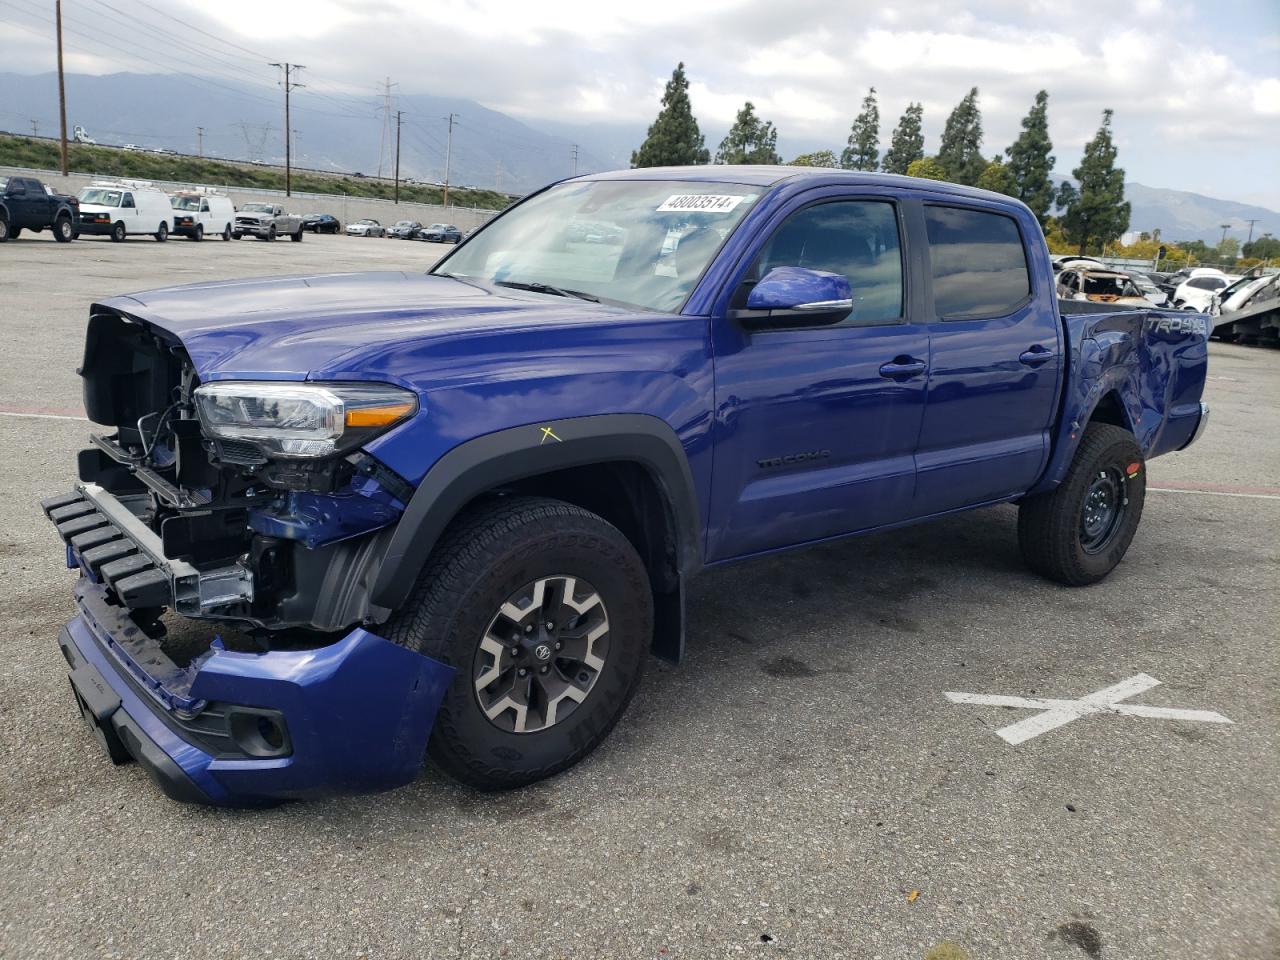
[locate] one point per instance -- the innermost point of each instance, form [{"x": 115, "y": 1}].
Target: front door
[
  {"x": 995, "y": 364},
  {"x": 816, "y": 427}
]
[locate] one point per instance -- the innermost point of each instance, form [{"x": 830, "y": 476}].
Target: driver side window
[{"x": 857, "y": 239}]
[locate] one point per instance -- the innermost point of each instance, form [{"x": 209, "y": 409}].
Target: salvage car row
[{"x": 122, "y": 208}]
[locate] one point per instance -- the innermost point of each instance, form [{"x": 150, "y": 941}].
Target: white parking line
[
  {"x": 1058, "y": 713},
  {"x": 42, "y": 416},
  {"x": 1217, "y": 493}
]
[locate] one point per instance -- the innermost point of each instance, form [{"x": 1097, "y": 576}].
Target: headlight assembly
[{"x": 301, "y": 420}]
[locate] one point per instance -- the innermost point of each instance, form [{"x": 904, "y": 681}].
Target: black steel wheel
[
  {"x": 545, "y": 611},
  {"x": 1078, "y": 532}
]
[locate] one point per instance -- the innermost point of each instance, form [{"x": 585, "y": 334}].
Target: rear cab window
[{"x": 977, "y": 262}]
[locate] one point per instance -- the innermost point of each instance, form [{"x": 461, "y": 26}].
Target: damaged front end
[{"x": 250, "y": 507}]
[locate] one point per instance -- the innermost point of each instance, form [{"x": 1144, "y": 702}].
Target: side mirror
[{"x": 795, "y": 296}]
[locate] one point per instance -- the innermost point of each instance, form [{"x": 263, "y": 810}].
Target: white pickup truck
[{"x": 266, "y": 221}]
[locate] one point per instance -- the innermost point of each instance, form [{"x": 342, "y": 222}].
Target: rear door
[
  {"x": 816, "y": 426},
  {"x": 996, "y": 357}
]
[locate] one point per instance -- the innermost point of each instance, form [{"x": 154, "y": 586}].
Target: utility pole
[
  {"x": 200, "y": 141},
  {"x": 1251, "y": 223},
  {"x": 35, "y": 128},
  {"x": 575, "y": 160},
  {"x": 289, "y": 84},
  {"x": 385, "y": 137},
  {"x": 448, "y": 159},
  {"x": 399, "y": 115},
  {"x": 62, "y": 88},
  {"x": 1225, "y": 228}
]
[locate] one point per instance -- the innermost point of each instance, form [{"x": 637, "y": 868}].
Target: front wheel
[
  {"x": 1077, "y": 533},
  {"x": 63, "y": 230},
  {"x": 545, "y": 611},
  {"x": 199, "y": 234},
  {"x": 4, "y": 229},
  {"x": 118, "y": 232}
]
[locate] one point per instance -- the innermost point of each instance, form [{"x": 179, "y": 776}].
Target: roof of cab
[{"x": 768, "y": 176}]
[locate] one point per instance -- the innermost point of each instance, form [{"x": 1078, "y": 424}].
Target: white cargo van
[
  {"x": 201, "y": 212},
  {"x": 117, "y": 208}
]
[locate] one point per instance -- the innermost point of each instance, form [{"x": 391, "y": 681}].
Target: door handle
[
  {"x": 1036, "y": 356},
  {"x": 903, "y": 368}
]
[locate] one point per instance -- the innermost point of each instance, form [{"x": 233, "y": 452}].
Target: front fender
[{"x": 517, "y": 453}]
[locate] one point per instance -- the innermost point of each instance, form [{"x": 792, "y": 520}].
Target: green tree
[
  {"x": 1266, "y": 247},
  {"x": 907, "y": 144},
  {"x": 997, "y": 178},
  {"x": 1229, "y": 249},
  {"x": 863, "y": 151},
  {"x": 927, "y": 167},
  {"x": 1097, "y": 212},
  {"x": 750, "y": 140},
  {"x": 674, "y": 138},
  {"x": 1031, "y": 162},
  {"x": 961, "y": 151},
  {"x": 823, "y": 158}
]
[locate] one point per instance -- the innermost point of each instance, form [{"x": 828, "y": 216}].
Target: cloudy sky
[{"x": 1195, "y": 85}]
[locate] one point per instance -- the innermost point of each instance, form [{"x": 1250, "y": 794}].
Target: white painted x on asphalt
[{"x": 1058, "y": 713}]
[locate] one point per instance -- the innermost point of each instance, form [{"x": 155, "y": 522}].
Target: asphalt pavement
[{"x": 800, "y": 785}]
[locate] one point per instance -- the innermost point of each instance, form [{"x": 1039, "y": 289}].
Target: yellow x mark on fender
[{"x": 548, "y": 432}]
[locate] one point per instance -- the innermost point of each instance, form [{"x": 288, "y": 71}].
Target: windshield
[
  {"x": 1104, "y": 286},
  {"x": 256, "y": 208},
  {"x": 103, "y": 198},
  {"x": 185, "y": 203},
  {"x": 638, "y": 242}
]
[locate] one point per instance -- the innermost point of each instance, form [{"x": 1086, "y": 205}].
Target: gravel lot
[{"x": 800, "y": 785}]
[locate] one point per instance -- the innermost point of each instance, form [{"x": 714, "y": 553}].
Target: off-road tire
[
  {"x": 1049, "y": 524},
  {"x": 486, "y": 554},
  {"x": 64, "y": 230}
]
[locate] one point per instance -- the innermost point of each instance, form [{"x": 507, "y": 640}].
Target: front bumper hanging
[{"x": 234, "y": 728}]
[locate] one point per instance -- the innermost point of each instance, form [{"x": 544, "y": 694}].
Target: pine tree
[
  {"x": 1031, "y": 163},
  {"x": 674, "y": 138},
  {"x": 927, "y": 167},
  {"x": 961, "y": 150},
  {"x": 863, "y": 151},
  {"x": 997, "y": 178},
  {"x": 907, "y": 144},
  {"x": 750, "y": 140},
  {"x": 823, "y": 158},
  {"x": 1096, "y": 213}
]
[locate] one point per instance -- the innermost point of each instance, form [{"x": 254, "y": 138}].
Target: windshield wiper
[{"x": 546, "y": 288}]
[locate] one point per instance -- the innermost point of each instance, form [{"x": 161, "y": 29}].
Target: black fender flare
[{"x": 485, "y": 463}]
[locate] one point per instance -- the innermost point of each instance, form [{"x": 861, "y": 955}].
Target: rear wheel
[
  {"x": 4, "y": 230},
  {"x": 545, "y": 611},
  {"x": 162, "y": 234},
  {"x": 1077, "y": 533},
  {"x": 226, "y": 232},
  {"x": 63, "y": 230},
  {"x": 297, "y": 237},
  {"x": 118, "y": 232}
]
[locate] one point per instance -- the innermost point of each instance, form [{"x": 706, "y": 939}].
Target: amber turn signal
[{"x": 382, "y": 416}]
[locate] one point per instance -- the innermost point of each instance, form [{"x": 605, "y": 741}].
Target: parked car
[
  {"x": 1099, "y": 286},
  {"x": 1062, "y": 260},
  {"x": 200, "y": 212},
  {"x": 1149, "y": 288},
  {"x": 403, "y": 229},
  {"x": 120, "y": 208},
  {"x": 132, "y": 148},
  {"x": 1196, "y": 292},
  {"x": 366, "y": 228},
  {"x": 440, "y": 233},
  {"x": 266, "y": 221},
  {"x": 458, "y": 509},
  {"x": 321, "y": 223},
  {"x": 27, "y": 204}
]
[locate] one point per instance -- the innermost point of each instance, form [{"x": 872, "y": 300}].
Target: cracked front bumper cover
[{"x": 358, "y": 711}]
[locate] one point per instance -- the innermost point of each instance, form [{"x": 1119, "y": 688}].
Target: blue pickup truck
[{"x": 342, "y": 521}]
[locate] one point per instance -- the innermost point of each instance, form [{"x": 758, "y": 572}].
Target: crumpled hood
[{"x": 313, "y": 327}]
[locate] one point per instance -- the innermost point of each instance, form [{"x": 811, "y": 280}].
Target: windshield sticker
[{"x": 699, "y": 203}]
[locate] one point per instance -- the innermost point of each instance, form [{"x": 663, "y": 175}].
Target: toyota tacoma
[{"x": 338, "y": 523}]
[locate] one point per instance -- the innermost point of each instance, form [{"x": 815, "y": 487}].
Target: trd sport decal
[{"x": 793, "y": 458}]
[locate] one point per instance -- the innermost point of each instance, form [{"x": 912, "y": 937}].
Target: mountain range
[{"x": 485, "y": 148}]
